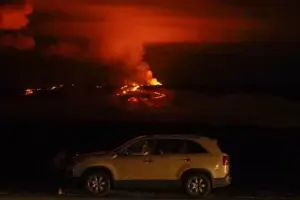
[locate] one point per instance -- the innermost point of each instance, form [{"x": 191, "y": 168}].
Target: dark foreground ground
[
  {"x": 145, "y": 195},
  {"x": 158, "y": 198}
]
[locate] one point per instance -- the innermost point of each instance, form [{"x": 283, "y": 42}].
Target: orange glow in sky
[{"x": 118, "y": 31}]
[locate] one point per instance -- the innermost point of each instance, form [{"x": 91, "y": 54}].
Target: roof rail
[
  {"x": 173, "y": 136},
  {"x": 177, "y": 136}
]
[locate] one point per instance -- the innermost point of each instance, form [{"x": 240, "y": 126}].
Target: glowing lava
[
  {"x": 154, "y": 81},
  {"x": 131, "y": 86},
  {"x": 137, "y": 93},
  {"x": 28, "y": 92},
  {"x": 151, "y": 80}
]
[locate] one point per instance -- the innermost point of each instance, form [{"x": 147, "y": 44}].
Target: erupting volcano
[
  {"x": 115, "y": 34},
  {"x": 135, "y": 92},
  {"x": 143, "y": 78}
]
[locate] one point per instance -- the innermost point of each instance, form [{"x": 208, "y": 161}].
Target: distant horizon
[{"x": 218, "y": 109}]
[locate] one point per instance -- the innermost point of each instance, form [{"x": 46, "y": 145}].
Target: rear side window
[
  {"x": 177, "y": 146},
  {"x": 191, "y": 147},
  {"x": 166, "y": 146}
]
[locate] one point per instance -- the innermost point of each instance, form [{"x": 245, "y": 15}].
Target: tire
[
  {"x": 97, "y": 184},
  {"x": 197, "y": 185}
]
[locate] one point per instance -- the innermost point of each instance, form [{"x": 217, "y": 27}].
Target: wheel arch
[
  {"x": 191, "y": 171},
  {"x": 104, "y": 169}
]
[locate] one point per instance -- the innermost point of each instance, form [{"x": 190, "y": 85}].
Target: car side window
[
  {"x": 177, "y": 146},
  {"x": 166, "y": 146},
  {"x": 191, "y": 147},
  {"x": 141, "y": 147}
]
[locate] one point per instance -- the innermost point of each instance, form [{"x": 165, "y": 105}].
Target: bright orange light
[
  {"x": 133, "y": 100},
  {"x": 28, "y": 92},
  {"x": 154, "y": 81}
]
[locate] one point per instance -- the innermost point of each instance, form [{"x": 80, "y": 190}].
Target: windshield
[{"x": 119, "y": 148}]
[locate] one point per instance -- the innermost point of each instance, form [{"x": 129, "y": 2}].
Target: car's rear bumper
[{"x": 221, "y": 182}]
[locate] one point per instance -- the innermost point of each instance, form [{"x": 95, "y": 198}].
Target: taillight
[{"x": 225, "y": 160}]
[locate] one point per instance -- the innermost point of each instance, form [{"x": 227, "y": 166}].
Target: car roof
[{"x": 172, "y": 136}]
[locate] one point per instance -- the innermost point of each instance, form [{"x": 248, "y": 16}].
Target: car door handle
[
  {"x": 147, "y": 160},
  {"x": 187, "y": 160}
]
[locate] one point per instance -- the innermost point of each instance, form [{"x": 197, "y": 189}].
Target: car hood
[
  {"x": 79, "y": 157},
  {"x": 98, "y": 153}
]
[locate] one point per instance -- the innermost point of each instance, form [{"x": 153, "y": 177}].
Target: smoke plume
[
  {"x": 17, "y": 41},
  {"x": 15, "y": 18},
  {"x": 118, "y": 31},
  {"x": 64, "y": 49}
]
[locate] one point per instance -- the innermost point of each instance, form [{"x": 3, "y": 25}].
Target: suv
[{"x": 194, "y": 163}]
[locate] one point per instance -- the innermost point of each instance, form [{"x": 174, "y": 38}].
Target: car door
[
  {"x": 172, "y": 157},
  {"x": 165, "y": 161},
  {"x": 129, "y": 167},
  {"x": 134, "y": 164}
]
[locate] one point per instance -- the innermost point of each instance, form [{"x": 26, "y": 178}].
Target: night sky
[{"x": 201, "y": 45}]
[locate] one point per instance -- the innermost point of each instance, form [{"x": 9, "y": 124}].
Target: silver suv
[{"x": 194, "y": 163}]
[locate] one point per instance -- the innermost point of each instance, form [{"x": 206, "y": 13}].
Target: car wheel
[
  {"x": 98, "y": 184},
  {"x": 197, "y": 185}
]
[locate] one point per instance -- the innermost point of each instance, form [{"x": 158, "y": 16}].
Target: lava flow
[{"x": 140, "y": 93}]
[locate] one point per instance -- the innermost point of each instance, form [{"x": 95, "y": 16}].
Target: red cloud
[
  {"x": 14, "y": 17},
  {"x": 120, "y": 31},
  {"x": 18, "y": 41},
  {"x": 117, "y": 31},
  {"x": 63, "y": 49}
]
